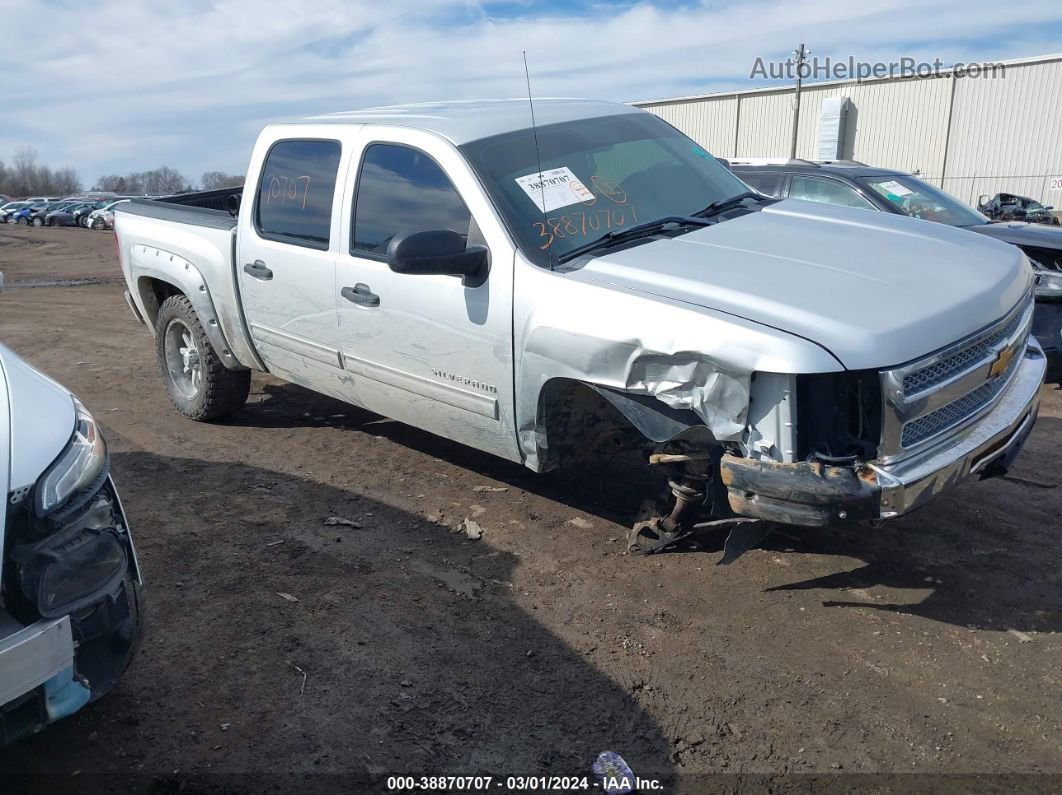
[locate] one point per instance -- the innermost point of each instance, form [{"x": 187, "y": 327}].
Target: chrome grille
[
  {"x": 921, "y": 380},
  {"x": 944, "y": 391},
  {"x": 951, "y": 414}
]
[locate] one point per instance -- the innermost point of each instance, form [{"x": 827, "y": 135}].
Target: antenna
[{"x": 538, "y": 154}]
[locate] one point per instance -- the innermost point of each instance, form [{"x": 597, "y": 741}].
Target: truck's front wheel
[{"x": 199, "y": 385}]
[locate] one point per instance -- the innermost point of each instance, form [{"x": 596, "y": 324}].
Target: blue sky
[{"x": 127, "y": 85}]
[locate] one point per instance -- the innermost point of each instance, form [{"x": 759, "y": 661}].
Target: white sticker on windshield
[
  {"x": 895, "y": 188},
  {"x": 556, "y": 187}
]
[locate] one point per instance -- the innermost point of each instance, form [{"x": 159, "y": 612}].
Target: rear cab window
[{"x": 295, "y": 192}]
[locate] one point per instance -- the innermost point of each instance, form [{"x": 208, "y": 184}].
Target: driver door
[{"x": 425, "y": 349}]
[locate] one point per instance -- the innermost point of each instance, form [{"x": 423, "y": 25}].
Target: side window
[
  {"x": 768, "y": 183},
  {"x": 402, "y": 190},
  {"x": 294, "y": 203},
  {"x": 827, "y": 191}
]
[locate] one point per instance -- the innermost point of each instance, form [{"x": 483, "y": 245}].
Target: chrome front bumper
[
  {"x": 985, "y": 446},
  {"x": 814, "y": 493}
]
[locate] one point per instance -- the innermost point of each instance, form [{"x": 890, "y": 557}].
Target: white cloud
[{"x": 120, "y": 86}]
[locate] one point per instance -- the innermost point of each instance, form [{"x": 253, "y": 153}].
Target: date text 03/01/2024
[{"x": 618, "y": 784}]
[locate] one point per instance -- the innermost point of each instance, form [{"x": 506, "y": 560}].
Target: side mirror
[
  {"x": 1049, "y": 207},
  {"x": 442, "y": 252}
]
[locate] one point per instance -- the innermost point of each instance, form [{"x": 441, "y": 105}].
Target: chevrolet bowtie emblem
[{"x": 999, "y": 366}]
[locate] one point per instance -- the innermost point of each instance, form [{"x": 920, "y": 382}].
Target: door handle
[
  {"x": 259, "y": 270},
  {"x": 360, "y": 294}
]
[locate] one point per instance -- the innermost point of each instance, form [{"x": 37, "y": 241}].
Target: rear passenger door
[
  {"x": 426, "y": 349},
  {"x": 285, "y": 261}
]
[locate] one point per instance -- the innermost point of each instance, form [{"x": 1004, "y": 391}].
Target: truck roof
[
  {"x": 850, "y": 168},
  {"x": 470, "y": 120}
]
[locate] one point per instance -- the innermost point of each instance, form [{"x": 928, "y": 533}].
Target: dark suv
[{"x": 852, "y": 184}]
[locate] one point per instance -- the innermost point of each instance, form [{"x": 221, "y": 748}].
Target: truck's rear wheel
[{"x": 199, "y": 385}]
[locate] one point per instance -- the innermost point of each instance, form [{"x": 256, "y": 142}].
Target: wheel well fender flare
[{"x": 160, "y": 274}]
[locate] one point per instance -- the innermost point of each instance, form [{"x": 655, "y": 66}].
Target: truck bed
[
  {"x": 212, "y": 208},
  {"x": 193, "y": 248}
]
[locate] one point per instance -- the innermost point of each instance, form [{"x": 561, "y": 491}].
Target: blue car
[
  {"x": 22, "y": 216},
  {"x": 10, "y": 209}
]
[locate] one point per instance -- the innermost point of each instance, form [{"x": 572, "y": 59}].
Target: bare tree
[
  {"x": 25, "y": 168},
  {"x": 165, "y": 180},
  {"x": 66, "y": 181},
  {"x": 160, "y": 180},
  {"x": 26, "y": 178},
  {"x": 214, "y": 180}
]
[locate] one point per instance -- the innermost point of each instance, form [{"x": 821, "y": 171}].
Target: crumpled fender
[{"x": 687, "y": 357}]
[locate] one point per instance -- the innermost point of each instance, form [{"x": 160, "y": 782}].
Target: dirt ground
[{"x": 924, "y": 655}]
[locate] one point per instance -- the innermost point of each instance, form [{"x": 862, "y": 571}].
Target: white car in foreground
[{"x": 71, "y": 596}]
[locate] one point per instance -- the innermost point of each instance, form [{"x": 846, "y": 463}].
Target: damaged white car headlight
[
  {"x": 76, "y": 566},
  {"x": 1048, "y": 282},
  {"x": 76, "y": 467}
]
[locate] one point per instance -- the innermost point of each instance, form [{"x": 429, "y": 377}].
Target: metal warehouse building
[{"x": 968, "y": 135}]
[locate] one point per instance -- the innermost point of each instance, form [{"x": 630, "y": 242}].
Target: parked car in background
[
  {"x": 71, "y": 614},
  {"x": 609, "y": 287},
  {"x": 9, "y": 209},
  {"x": 851, "y": 184},
  {"x": 37, "y": 214},
  {"x": 1010, "y": 207},
  {"x": 103, "y": 218},
  {"x": 22, "y": 216},
  {"x": 82, "y": 215},
  {"x": 68, "y": 215}
]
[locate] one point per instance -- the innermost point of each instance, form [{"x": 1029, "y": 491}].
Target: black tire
[
  {"x": 219, "y": 391},
  {"x": 98, "y": 224},
  {"x": 38, "y": 221}
]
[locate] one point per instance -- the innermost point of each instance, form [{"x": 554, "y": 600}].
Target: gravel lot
[{"x": 929, "y": 647}]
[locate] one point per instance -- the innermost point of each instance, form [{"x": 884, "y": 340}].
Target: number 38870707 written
[{"x": 580, "y": 223}]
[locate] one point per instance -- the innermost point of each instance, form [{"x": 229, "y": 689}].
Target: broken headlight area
[
  {"x": 79, "y": 562},
  {"x": 839, "y": 416},
  {"x": 77, "y": 565},
  {"x": 1048, "y": 282}
]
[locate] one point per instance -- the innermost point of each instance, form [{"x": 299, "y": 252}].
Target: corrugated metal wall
[
  {"x": 712, "y": 123},
  {"x": 995, "y": 134},
  {"x": 1006, "y": 134}
]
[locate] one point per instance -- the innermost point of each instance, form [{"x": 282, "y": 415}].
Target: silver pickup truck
[{"x": 594, "y": 282}]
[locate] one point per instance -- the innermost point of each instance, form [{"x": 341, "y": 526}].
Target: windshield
[
  {"x": 913, "y": 197},
  {"x": 598, "y": 175}
]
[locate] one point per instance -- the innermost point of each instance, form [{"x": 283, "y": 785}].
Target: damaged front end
[
  {"x": 756, "y": 427},
  {"x": 71, "y": 598},
  {"x": 845, "y": 476}
]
